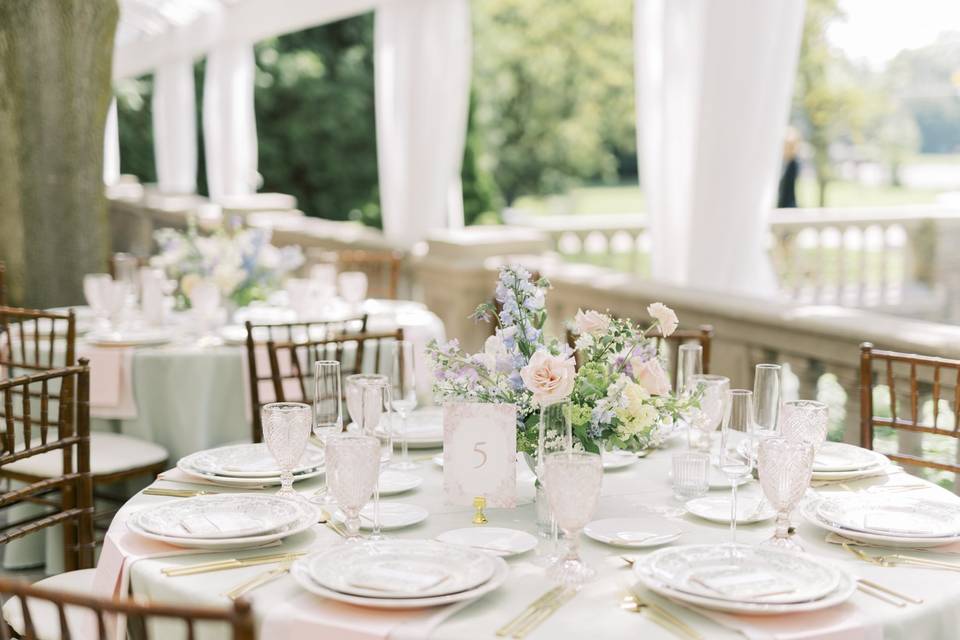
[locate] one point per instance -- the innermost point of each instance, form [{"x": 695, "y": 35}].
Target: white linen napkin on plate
[
  {"x": 396, "y": 580},
  {"x": 219, "y": 522}
]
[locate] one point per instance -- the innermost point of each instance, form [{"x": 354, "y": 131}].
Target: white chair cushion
[
  {"x": 43, "y": 613},
  {"x": 109, "y": 453}
]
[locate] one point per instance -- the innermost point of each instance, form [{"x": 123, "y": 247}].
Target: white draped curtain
[
  {"x": 422, "y": 75},
  {"x": 229, "y": 122},
  {"x": 714, "y": 82},
  {"x": 175, "y": 127},
  {"x": 111, "y": 146}
]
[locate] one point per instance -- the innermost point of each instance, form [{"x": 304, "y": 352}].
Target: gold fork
[
  {"x": 178, "y": 493},
  {"x": 232, "y": 563},
  {"x": 531, "y": 609},
  {"x": 259, "y": 580},
  {"x": 895, "y": 559},
  {"x": 543, "y": 613},
  {"x": 660, "y": 616}
]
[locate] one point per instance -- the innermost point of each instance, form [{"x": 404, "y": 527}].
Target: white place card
[{"x": 480, "y": 453}]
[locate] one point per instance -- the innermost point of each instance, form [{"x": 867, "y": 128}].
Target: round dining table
[{"x": 641, "y": 490}]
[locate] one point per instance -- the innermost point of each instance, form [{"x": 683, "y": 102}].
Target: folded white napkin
[
  {"x": 393, "y": 579},
  {"x": 892, "y": 523},
  {"x": 219, "y": 522},
  {"x": 749, "y": 584}
]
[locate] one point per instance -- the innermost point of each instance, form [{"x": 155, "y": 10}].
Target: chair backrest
[
  {"x": 260, "y": 377},
  {"x": 382, "y": 269},
  {"x": 291, "y": 363},
  {"x": 922, "y": 377},
  {"x": 40, "y": 415},
  {"x": 33, "y": 340},
  {"x": 80, "y": 616},
  {"x": 670, "y": 345}
]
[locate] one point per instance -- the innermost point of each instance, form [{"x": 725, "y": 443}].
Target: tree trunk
[
  {"x": 55, "y": 74},
  {"x": 822, "y": 187}
]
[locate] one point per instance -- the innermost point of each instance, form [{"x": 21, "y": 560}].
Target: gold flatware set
[{"x": 537, "y": 612}]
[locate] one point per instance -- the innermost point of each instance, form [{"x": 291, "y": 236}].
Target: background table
[{"x": 639, "y": 490}]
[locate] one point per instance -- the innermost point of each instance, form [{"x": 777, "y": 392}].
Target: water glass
[
  {"x": 367, "y": 397},
  {"x": 573, "y": 480},
  {"x": 353, "y": 287},
  {"x": 690, "y": 475},
  {"x": 713, "y": 401},
  {"x": 806, "y": 421},
  {"x": 785, "y": 467},
  {"x": 327, "y": 411},
  {"x": 286, "y": 429},
  {"x": 403, "y": 396},
  {"x": 766, "y": 399},
  {"x": 353, "y": 465},
  {"x": 738, "y": 423},
  {"x": 95, "y": 290},
  {"x": 205, "y": 300}
]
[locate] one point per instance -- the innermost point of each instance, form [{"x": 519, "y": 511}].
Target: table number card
[{"x": 480, "y": 453}]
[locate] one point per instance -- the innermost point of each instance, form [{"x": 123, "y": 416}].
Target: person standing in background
[{"x": 787, "y": 193}]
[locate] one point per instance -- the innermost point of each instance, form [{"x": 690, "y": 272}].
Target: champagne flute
[
  {"x": 554, "y": 435},
  {"x": 367, "y": 395},
  {"x": 353, "y": 464},
  {"x": 713, "y": 401},
  {"x": 573, "y": 480},
  {"x": 286, "y": 429},
  {"x": 328, "y": 414},
  {"x": 766, "y": 399},
  {"x": 403, "y": 396},
  {"x": 95, "y": 290},
  {"x": 738, "y": 418},
  {"x": 689, "y": 364}
]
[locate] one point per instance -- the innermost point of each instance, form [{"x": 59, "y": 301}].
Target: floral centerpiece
[
  {"x": 241, "y": 261},
  {"x": 620, "y": 397}
]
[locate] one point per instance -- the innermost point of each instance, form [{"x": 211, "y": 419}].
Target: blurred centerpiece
[
  {"x": 620, "y": 397},
  {"x": 239, "y": 261}
]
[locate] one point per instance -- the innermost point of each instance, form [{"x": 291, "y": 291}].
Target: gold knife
[
  {"x": 529, "y": 611},
  {"x": 232, "y": 563},
  {"x": 540, "y": 617}
]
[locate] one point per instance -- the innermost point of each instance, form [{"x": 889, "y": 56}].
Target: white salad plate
[
  {"x": 905, "y": 517},
  {"x": 839, "y": 456},
  {"x": 494, "y": 540},
  {"x": 401, "y": 569},
  {"x": 393, "y": 515},
  {"x": 618, "y": 459},
  {"x": 717, "y": 479},
  {"x": 220, "y": 516},
  {"x": 249, "y": 461},
  {"x": 394, "y": 482},
  {"x": 130, "y": 337},
  {"x": 717, "y": 509},
  {"x": 424, "y": 429},
  {"x": 307, "y": 518},
  {"x": 635, "y": 533},
  {"x": 240, "y": 483},
  {"x": 809, "y": 512}
]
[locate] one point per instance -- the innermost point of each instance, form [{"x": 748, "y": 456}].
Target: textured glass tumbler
[
  {"x": 785, "y": 467},
  {"x": 690, "y": 475},
  {"x": 805, "y": 421},
  {"x": 353, "y": 464},
  {"x": 573, "y": 480}
]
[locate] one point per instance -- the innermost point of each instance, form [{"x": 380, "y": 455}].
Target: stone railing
[{"x": 898, "y": 260}]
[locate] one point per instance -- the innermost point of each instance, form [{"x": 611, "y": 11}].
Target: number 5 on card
[{"x": 480, "y": 453}]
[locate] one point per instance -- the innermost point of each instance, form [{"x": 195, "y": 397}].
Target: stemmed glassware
[
  {"x": 96, "y": 290},
  {"x": 327, "y": 412},
  {"x": 573, "y": 480},
  {"x": 286, "y": 428},
  {"x": 713, "y": 401},
  {"x": 353, "y": 465},
  {"x": 205, "y": 300},
  {"x": 737, "y": 467},
  {"x": 689, "y": 364},
  {"x": 805, "y": 421},
  {"x": 555, "y": 434},
  {"x": 367, "y": 397},
  {"x": 766, "y": 399},
  {"x": 785, "y": 467},
  {"x": 403, "y": 379}
]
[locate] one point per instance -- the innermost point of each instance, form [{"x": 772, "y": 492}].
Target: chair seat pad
[
  {"x": 109, "y": 453},
  {"x": 46, "y": 622}
]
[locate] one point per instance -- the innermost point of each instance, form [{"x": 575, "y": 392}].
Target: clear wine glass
[
  {"x": 766, "y": 399},
  {"x": 785, "y": 467},
  {"x": 126, "y": 269},
  {"x": 286, "y": 428},
  {"x": 713, "y": 402},
  {"x": 328, "y": 414},
  {"x": 573, "y": 480},
  {"x": 689, "y": 364},
  {"x": 554, "y": 435},
  {"x": 95, "y": 287},
  {"x": 738, "y": 423},
  {"x": 403, "y": 396},
  {"x": 353, "y": 464},
  {"x": 367, "y": 397},
  {"x": 805, "y": 421},
  {"x": 205, "y": 298}
]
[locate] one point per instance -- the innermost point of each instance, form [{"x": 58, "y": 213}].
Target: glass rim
[
  {"x": 326, "y": 363},
  {"x": 584, "y": 455},
  {"x": 368, "y": 379},
  {"x": 708, "y": 377},
  {"x": 699, "y": 455},
  {"x": 284, "y": 405},
  {"x": 805, "y": 403},
  {"x": 740, "y": 392},
  {"x": 691, "y": 346},
  {"x": 766, "y": 366}
]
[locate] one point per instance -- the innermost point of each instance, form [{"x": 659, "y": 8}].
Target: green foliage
[{"x": 135, "y": 127}]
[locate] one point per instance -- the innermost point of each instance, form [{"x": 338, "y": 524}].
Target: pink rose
[
  {"x": 650, "y": 375},
  {"x": 550, "y": 378},
  {"x": 665, "y": 316},
  {"x": 591, "y": 322}
]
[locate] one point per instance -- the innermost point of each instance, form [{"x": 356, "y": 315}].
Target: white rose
[
  {"x": 550, "y": 378},
  {"x": 665, "y": 316},
  {"x": 591, "y": 322}
]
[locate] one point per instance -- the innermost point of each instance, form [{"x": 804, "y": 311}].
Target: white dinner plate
[
  {"x": 839, "y": 456},
  {"x": 308, "y": 518},
  {"x": 393, "y": 515},
  {"x": 241, "y": 483},
  {"x": 401, "y": 569},
  {"x": 424, "y": 429},
  {"x": 742, "y": 573},
  {"x": 618, "y": 459},
  {"x": 301, "y": 575},
  {"x": 228, "y": 515},
  {"x": 718, "y": 479},
  {"x": 130, "y": 337},
  {"x": 394, "y": 482},
  {"x": 882, "y": 468},
  {"x": 249, "y": 461},
  {"x": 809, "y": 511},
  {"x": 495, "y": 540},
  {"x": 717, "y": 509},
  {"x": 635, "y": 533},
  {"x": 905, "y": 517}
]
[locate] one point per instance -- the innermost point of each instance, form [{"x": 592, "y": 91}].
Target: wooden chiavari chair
[
  {"x": 670, "y": 345},
  {"x": 382, "y": 269},
  {"x": 260, "y": 378},
  {"x": 291, "y": 363},
  {"x": 56, "y": 614},
  {"x": 892, "y": 365}
]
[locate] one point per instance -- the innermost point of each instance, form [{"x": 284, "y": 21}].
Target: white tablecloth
[{"x": 640, "y": 490}]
